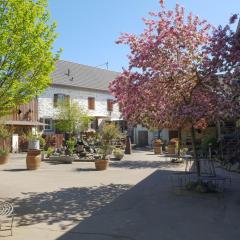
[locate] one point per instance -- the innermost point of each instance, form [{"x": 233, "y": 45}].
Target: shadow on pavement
[
  {"x": 153, "y": 210},
  {"x": 141, "y": 164},
  {"x": 16, "y": 170},
  {"x": 86, "y": 169},
  {"x": 70, "y": 204}
]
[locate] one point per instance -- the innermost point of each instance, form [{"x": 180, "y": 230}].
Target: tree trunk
[
  {"x": 159, "y": 133},
  {"x": 179, "y": 140},
  {"x": 195, "y": 158}
]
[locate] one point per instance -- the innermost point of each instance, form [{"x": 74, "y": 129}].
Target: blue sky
[{"x": 88, "y": 28}]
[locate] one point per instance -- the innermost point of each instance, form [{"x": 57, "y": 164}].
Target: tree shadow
[
  {"x": 154, "y": 210},
  {"x": 68, "y": 204},
  {"x": 142, "y": 164}
]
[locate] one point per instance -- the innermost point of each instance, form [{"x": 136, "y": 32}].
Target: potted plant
[
  {"x": 108, "y": 133},
  {"x": 158, "y": 146},
  {"x": 118, "y": 153},
  {"x": 4, "y": 152},
  {"x": 4, "y": 156},
  {"x": 69, "y": 153},
  {"x": 33, "y": 141},
  {"x": 50, "y": 151},
  {"x": 33, "y": 159},
  {"x": 42, "y": 142},
  {"x": 172, "y": 146}
]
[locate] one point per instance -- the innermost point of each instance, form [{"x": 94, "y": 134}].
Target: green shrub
[
  {"x": 71, "y": 143},
  {"x": 50, "y": 151},
  {"x": 4, "y": 152}
]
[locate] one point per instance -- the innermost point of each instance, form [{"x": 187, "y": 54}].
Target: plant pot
[
  {"x": 4, "y": 159},
  {"x": 33, "y": 144},
  {"x": 101, "y": 164},
  {"x": 62, "y": 159},
  {"x": 43, "y": 155},
  {"x": 157, "y": 149},
  {"x": 157, "y": 143},
  {"x": 33, "y": 159},
  {"x": 118, "y": 156},
  {"x": 171, "y": 149}
]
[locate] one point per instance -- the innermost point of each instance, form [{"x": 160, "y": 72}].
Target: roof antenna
[
  {"x": 104, "y": 64},
  {"x": 68, "y": 72}
]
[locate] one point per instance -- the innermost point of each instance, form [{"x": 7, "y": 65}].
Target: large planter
[
  {"x": 4, "y": 158},
  {"x": 171, "y": 149},
  {"x": 33, "y": 159},
  {"x": 62, "y": 159},
  {"x": 158, "y": 146},
  {"x": 118, "y": 156},
  {"x": 33, "y": 144},
  {"x": 158, "y": 150},
  {"x": 101, "y": 164}
]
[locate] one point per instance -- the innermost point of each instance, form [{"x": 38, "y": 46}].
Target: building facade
[{"x": 88, "y": 86}]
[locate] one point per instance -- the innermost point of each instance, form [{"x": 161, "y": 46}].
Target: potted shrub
[
  {"x": 69, "y": 153},
  {"x": 65, "y": 156},
  {"x": 4, "y": 152},
  {"x": 4, "y": 156},
  {"x": 158, "y": 146},
  {"x": 118, "y": 153},
  {"x": 42, "y": 147},
  {"x": 33, "y": 141},
  {"x": 108, "y": 133},
  {"x": 33, "y": 159},
  {"x": 173, "y": 146}
]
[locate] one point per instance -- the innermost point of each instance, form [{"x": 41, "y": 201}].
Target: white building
[
  {"x": 83, "y": 84},
  {"x": 89, "y": 87}
]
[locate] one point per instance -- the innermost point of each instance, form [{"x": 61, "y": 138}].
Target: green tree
[
  {"x": 71, "y": 118},
  {"x": 26, "y": 57}
]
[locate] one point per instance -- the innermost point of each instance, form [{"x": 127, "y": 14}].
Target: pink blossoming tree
[{"x": 182, "y": 73}]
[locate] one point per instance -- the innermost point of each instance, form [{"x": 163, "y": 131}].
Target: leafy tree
[
  {"x": 26, "y": 58},
  {"x": 173, "y": 79},
  {"x": 108, "y": 133},
  {"x": 71, "y": 118}
]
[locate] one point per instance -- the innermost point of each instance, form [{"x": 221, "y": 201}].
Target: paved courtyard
[{"x": 133, "y": 199}]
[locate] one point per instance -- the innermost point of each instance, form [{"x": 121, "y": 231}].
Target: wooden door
[{"x": 142, "y": 138}]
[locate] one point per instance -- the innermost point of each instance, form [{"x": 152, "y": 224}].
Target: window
[
  {"x": 110, "y": 105},
  {"x": 91, "y": 103},
  {"x": 60, "y": 99},
  {"x": 49, "y": 123}
]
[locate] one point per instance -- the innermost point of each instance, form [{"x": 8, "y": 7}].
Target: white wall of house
[{"x": 46, "y": 107}]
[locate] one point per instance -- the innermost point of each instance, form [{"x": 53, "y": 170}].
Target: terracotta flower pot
[
  {"x": 101, "y": 164},
  {"x": 157, "y": 150},
  {"x": 157, "y": 146},
  {"x": 33, "y": 159},
  {"x": 118, "y": 156},
  {"x": 171, "y": 149},
  {"x": 4, "y": 159}
]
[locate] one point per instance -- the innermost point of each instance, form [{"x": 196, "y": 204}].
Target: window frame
[
  {"x": 91, "y": 103},
  {"x": 50, "y": 125},
  {"x": 110, "y": 105}
]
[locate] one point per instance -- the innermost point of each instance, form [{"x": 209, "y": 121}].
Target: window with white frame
[{"x": 49, "y": 124}]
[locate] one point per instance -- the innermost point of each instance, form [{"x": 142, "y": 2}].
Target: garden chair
[{"x": 6, "y": 215}]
